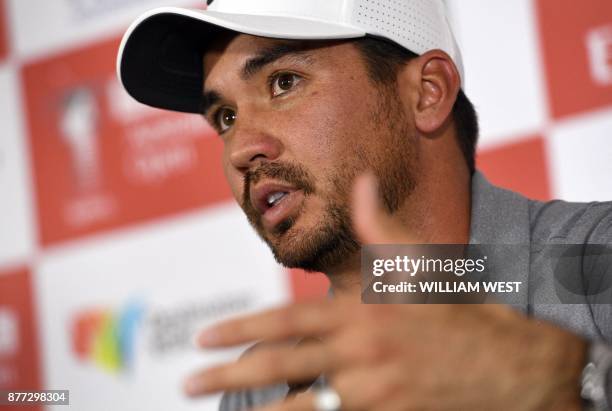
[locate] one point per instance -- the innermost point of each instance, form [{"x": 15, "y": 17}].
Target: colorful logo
[{"x": 107, "y": 338}]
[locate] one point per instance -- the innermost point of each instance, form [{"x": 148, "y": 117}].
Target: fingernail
[
  {"x": 195, "y": 340},
  {"x": 208, "y": 338},
  {"x": 194, "y": 386}
]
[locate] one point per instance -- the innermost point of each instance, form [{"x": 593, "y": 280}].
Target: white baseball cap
[{"x": 160, "y": 58}]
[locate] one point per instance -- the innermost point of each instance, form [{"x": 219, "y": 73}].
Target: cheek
[
  {"x": 331, "y": 127},
  {"x": 232, "y": 176}
]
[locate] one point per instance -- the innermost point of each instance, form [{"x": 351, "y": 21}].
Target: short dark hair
[{"x": 384, "y": 58}]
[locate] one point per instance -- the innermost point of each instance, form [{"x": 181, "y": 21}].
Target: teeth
[{"x": 274, "y": 198}]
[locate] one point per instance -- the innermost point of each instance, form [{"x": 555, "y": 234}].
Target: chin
[{"x": 316, "y": 249}]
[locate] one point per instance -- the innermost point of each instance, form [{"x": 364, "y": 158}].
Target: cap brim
[{"x": 160, "y": 58}]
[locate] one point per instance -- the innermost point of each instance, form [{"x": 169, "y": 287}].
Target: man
[{"x": 344, "y": 123}]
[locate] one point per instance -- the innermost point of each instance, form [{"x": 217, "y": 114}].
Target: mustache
[{"x": 292, "y": 174}]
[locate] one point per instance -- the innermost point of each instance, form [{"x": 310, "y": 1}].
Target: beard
[
  {"x": 315, "y": 249},
  {"x": 332, "y": 241}
]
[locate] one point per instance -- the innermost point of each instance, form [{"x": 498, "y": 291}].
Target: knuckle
[
  {"x": 271, "y": 363},
  {"x": 285, "y": 321},
  {"x": 373, "y": 352},
  {"x": 382, "y": 390},
  {"x": 367, "y": 350}
]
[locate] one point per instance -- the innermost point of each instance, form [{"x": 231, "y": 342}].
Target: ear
[{"x": 435, "y": 83}]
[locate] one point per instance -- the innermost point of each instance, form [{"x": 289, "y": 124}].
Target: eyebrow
[
  {"x": 269, "y": 55},
  {"x": 255, "y": 64}
]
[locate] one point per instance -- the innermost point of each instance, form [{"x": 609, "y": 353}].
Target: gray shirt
[{"x": 502, "y": 217}]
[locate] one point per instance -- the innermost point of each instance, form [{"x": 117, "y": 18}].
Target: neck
[{"x": 438, "y": 212}]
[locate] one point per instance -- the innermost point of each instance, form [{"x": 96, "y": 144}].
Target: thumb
[{"x": 371, "y": 222}]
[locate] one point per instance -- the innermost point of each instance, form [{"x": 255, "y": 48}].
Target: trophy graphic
[{"x": 79, "y": 129}]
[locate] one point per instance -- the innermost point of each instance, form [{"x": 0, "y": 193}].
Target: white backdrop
[{"x": 118, "y": 238}]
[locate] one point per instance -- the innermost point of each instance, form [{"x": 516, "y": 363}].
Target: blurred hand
[{"x": 401, "y": 357}]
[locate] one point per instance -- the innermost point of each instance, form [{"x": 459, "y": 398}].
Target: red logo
[
  {"x": 520, "y": 166},
  {"x": 577, "y": 47},
  {"x": 102, "y": 160},
  {"x": 19, "y": 353}
]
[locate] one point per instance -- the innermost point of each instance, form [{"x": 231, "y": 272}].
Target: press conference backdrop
[{"x": 118, "y": 237}]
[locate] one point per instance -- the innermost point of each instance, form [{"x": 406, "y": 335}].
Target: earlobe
[{"x": 438, "y": 87}]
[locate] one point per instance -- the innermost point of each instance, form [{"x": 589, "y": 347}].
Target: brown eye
[
  {"x": 225, "y": 119},
  {"x": 284, "y": 83}
]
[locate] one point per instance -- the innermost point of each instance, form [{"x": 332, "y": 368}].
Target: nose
[{"x": 251, "y": 146}]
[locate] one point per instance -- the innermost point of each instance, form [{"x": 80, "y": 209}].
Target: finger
[
  {"x": 371, "y": 221},
  {"x": 263, "y": 367},
  {"x": 353, "y": 388},
  {"x": 298, "y": 320}
]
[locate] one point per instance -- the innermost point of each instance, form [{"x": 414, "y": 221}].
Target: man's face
[{"x": 299, "y": 122}]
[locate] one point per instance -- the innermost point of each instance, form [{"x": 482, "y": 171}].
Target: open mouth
[
  {"x": 275, "y": 198},
  {"x": 276, "y": 203}
]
